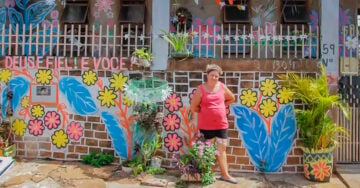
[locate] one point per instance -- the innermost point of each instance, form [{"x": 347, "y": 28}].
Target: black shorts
[{"x": 219, "y": 133}]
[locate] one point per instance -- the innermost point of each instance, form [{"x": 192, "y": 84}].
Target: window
[
  {"x": 132, "y": 11},
  {"x": 75, "y": 12},
  {"x": 294, "y": 11},
  {"x": 236, "y": 13}
]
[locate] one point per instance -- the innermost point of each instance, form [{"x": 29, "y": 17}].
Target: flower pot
[
  {"x": 156, "y": 162},
  {"x": 8, "y": 151},
  {"x": 318, "y": 165},
  {"x": 181, "y": 54},
  {"x": 191, "y": 177}
]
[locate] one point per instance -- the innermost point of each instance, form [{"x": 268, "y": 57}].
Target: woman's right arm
[{"x": 195, "y": 101}]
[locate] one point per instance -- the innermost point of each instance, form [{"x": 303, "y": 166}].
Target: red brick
[
  {"x": 98, "y": 127},
  {"x": 228, "y": 150},
  {"x": 91, "y": 142},
  {"x": 63, "y": 72},
  {"x": 75, "y": 73},
  {"x": 19, "y": 138},
  {"x": 75, "y": 142},
  {"x": 89, "y": 134},
  {"x": 293, "y": 160},
  {"x": 20, "y": 152},
  {"x": 88, "y": 126},
  {"x": 81, "y": 149},
  {"x": 45, "y": 154},
  {"x": 72, "y": 156},
  {"x": 233, "y": 134},
  {"x": 106, "y": 144},
  {"x": 234, "y": 166},
  {"x": 20, "y": 145},
  {"x": 300, "y": 168},
  {"x": 238, "y": 151},
  {"x": 288, "y": 168},
  {"x": 29, "y": 138},
  {"x": 235, "y": 142},
  {"x": 230, "y": 159},
  {"x": 95, "y": 150},
  {"x": 101, "y": 135},
  {"x": 242, "y": 160},
  {"x": 298, "y": 151},
  {"x": 109, "y": 151},
  {"x": 71, "y": 148},
  {"x": 79, "y": 118},
  {"x": 43, "y": 139},
  {"x": 46, "y": 146},
  {"x": 93, "y": 119},
  {"x": 59, "y": 155},
  {"x": 247, "y": 167}
]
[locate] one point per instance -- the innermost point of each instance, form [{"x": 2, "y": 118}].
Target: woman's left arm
[{"x": 229, "y": 96}]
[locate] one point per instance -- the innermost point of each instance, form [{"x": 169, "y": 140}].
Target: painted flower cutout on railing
[
  {"x": 118, "y": 81},
  {"x": 268, "y": 107},
  {"x": 284, "y": 95},
  {"x": 5, "y": 75},
  {"x": 60, "y": 139},
  {"x": 52, "y": 120},
  {"x": 43, "y": 76},
  {"x": 173, "y": 102},
  {"x": 173, "y": 142},
  {"x": 25, "y": 102},
  {"x": 321, "y": 170},
  {"x": 248, "y": 97},
  {"x": 19, "y": 127},
  {"x": 37, "y": 111},
  {"x": 171, "y": 122},
  {"x": 268, "y": 87},
  {"x": 75, "y": 130},
  {"x": 107, "y": 97},
  {"x": 89, "y": 77},
  {"x": 36, "y": 127}
]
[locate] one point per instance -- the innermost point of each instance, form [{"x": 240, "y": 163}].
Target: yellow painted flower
[
  {"x": 107, "y": 97},
  {"x": 117, "y": 81},
  {"x": 43, "y": 76},
  {"x": 19, "y": 127},
  {"x": 285, "y": 95},
  {"x": 25, "y": 102},
  {"x": 268, "y": 87},
  {"x": 248, "y": 97},
  {"x": 267, "y": 107},
  {"x": 37, "y": 111},
  {"x": 60, "y": 139},
  {"x": 127, "y": 101},
  {"x": 89, "y": 77},
  {"x": 5, "y": 75}
]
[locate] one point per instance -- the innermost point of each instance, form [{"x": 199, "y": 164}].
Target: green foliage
[
  {"x": 155, "y": 170},
  {"x": 97, "y": 159},
  {"x": 178, "y": 41},
  {"x": 142, "y": 53},
  {"x": 317, "y": 130}
]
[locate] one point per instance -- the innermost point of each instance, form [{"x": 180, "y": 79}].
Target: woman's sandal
[{"x": 228, "y": 180}]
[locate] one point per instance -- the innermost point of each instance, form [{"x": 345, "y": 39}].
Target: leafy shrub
[{"x": 97, "y": 159}]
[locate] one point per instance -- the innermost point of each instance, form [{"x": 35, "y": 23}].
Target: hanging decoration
[{"x": 182, "y": 20}]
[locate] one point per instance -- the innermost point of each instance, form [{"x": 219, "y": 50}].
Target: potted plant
[
  {"x": 318, "y": 132},
  {"x": 178, "y": 42},
  {"x": 7, "y": 146},
  {"x": 197, "y": 163},
  {"x": 141, "y": 57}
]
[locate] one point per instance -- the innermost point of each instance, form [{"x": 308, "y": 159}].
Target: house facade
[{"x": 68, "y": 64}]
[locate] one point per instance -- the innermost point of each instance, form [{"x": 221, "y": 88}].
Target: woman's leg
[{"x": 222, "y": 160}]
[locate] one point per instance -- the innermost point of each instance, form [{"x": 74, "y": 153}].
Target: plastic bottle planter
[
  {"x": 8, "y": 151},
  {"x": 140, "y": 62},
  {"x": 318, "y": 166}
]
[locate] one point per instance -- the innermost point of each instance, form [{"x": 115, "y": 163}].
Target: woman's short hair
[{"x": 213, "y": 67}]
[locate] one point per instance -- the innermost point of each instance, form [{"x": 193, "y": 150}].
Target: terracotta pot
[{"x": 318, "y": 166}]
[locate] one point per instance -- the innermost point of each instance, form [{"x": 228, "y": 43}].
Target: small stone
[{"x": 155, "y": 182}]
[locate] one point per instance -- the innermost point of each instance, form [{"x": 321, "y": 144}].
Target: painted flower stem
[
  {"x": 191, "y": 129},
  {"x": 61, "y": 108}
]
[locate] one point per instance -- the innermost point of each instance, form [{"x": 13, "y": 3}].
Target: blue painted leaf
[
  {"x": 19, "y": 86},
  {"x": 36, "y": 12},
  {"x": 2, "y": 17},
  {"x": 117, "y": 134},
  {"x": 77, "y": 95},
  {"x": 22, "y": 3},
  {"x": 15, "y": 17},
  {"x": 41, "y": 41},
  {"x": 253, "y": 134},
  {"x": 282, "y": 136}
]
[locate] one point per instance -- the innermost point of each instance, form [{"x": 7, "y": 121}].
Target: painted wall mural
[{"x": 266, "y": 123}]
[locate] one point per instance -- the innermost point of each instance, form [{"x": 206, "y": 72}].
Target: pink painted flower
[
  {"x": 36, "y": 127},
  {"x": 9, "y": 3},
  {"x": 52, "y": 120},
  {"x": 171, "y": 122},
  {"x": 75, "y": 130},
  {"x": 55, "y": 23},
  {"x": 173, "y": 102},
  {"x": 46, "y": 24},
  {"x": 173, "y": 142},
  {"x": 110, "y": 22},
  {"x": 54, "y": 14}
]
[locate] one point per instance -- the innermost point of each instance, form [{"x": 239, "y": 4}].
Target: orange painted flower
[{"x": 320, "y": 170}]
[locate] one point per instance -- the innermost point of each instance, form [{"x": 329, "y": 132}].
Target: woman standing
[{"x": 210, "y": 101}]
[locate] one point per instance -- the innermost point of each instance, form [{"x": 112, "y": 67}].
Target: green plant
[
  {"x": 200, "y": 159},
  {"x": 155, "y": 170},
  {"x": 143, "y": 53},
  {"x": 97, "y": 159},
  {"x": 178, "y": 41},
  {"x": 317, "y": 130}
]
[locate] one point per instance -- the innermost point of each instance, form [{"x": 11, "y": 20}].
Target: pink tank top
[{"x": 212, "y": 113}]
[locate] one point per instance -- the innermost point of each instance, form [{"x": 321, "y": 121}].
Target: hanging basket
[{"x": 149, "y": 89}]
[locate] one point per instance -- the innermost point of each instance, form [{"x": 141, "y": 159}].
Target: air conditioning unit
[
  {"x": 295, "y": 14},
  {"x": 235, "y": 14}
]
